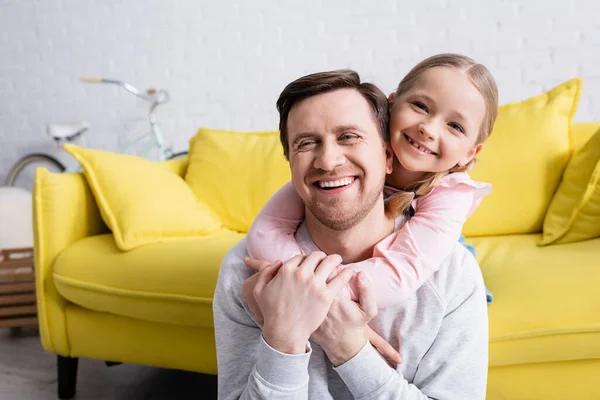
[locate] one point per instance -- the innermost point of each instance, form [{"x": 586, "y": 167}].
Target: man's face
[{"x": 337, "y": 157}]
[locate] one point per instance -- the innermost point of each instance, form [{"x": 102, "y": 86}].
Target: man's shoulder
[
  {"x": 233, "y": 271},
  {"x": 458, "y": 277}
]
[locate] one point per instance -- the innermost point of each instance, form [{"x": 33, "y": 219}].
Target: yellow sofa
[
  {"x": 142, "y": 294},
  {"x": 152, "y": 305}
]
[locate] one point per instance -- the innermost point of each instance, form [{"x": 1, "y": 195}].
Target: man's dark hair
[{"x": 323, "y": 82}]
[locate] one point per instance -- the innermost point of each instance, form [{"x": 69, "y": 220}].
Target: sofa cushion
[
  {"x": 574, "y": 213},
  {"x": 524, "y": 159},
  {"x": 141, "y": 201},
  {"x": 546, "y": 299},
  {"x": 170, "y": 282},
  {"x": 235, "y": 173}
]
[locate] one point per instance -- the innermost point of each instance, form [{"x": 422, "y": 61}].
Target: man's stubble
[{"x": 337, "y": 218}]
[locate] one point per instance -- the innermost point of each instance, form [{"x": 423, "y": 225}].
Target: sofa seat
[
  {"x": 170, "y": 282},
  {"x": 546, "y": 299}
]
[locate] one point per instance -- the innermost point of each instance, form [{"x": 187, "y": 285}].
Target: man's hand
[
  {"x": 248, "y": 288},
  {"x": 249, "y": 284},
  {"x": 295, "y": 300},
  {"x": 344, "y": 331}
]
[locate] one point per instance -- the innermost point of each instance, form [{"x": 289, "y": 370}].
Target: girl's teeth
[{"x": 419, "y": 147}]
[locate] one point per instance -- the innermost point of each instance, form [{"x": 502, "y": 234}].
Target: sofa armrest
[{"x": 64, "y": 211}]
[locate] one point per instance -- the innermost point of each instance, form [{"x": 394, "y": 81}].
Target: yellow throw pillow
[
  {"x": 574, "y": 214},
  {"x": 141, "y": 201},
  {"x": 235, "y": 173},
  {"x": 524, "y": 160}
]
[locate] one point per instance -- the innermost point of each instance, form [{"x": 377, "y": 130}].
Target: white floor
[{"x": 29, "y": 373}]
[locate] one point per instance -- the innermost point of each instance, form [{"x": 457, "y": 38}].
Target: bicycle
[{"x": 142, "y": 146}]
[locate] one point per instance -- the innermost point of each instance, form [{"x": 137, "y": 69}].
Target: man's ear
[
  {"x": 389, "y": 159},
  {"x": 391, "y": 99},
  {"x": 471, "y": 155}
]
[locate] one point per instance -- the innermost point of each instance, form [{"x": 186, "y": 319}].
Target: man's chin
[
  {"x": 337, "y": 218},
  {"x": 343, "y": 212}
]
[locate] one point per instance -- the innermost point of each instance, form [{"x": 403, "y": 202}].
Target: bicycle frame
[
  {"x": 154, "y": 137},
  {"x": 148, "y": 142},
  {"x": 153, "y": 140}
]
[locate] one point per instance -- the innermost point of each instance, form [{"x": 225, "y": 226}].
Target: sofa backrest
[
  {"x": 524, "y": 172},
  {"x": 581, "y": 132}
]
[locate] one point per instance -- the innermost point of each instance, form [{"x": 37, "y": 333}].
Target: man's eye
[
  {"x": 349, "y": 138},
  {"x": 456, "y": 127},
  {"x": 420, "y": 105},
  {"x": 307, "y": 144}
]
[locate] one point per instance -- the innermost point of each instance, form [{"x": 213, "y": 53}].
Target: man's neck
[{"x": 354, "y": 244}]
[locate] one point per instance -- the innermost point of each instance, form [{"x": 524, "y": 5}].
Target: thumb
[
  {"x": 366, "y": 295},
  {"x": 257, "y": 265}
]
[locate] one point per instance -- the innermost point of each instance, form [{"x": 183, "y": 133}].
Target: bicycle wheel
[
  {"x": 22, "y": 174},
  {"x": 181, "y": 154}
]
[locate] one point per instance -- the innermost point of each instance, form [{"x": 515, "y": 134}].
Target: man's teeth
[
  {"x": 338, "y": 183},
  {"x": 424, "y": 150}
]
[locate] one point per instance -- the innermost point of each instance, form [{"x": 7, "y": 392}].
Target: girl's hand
[
  {"x": 256, "y": 265},
  {"x": 380, "y": 343}
]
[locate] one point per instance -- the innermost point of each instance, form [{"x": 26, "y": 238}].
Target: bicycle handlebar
[
  {"x": 156, "y": 97},
  {"x": 151, "y": 95},
  {"x": 91, "y": 79}
]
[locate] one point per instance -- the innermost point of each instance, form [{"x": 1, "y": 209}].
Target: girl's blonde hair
[{"x": 484, "y": 82}]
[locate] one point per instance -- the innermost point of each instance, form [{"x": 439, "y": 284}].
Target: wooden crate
[{"x": 17, "y": 288}]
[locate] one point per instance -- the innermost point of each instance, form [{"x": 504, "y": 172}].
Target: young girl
[{"x": 440, "y": 115}]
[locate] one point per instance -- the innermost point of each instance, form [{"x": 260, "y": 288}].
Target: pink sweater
[{"x": 401, "y": 262}]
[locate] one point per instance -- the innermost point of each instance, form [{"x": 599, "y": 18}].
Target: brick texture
[{"x": 225, "y": 63}]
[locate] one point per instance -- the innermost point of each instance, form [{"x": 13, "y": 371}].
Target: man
[{"x": 334, "y": 129}]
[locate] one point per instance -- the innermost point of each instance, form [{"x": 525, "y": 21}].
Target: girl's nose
[{"x": 427, "y": 130}]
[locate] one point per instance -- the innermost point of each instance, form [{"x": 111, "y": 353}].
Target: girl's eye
[
  {"x": 456, "y": 127},
  {"x": 420, "y": 105}
]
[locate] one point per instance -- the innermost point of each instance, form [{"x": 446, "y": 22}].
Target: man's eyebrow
[
  {"x": 337, "y": 130},
  {"x": 344, "y": 128}
]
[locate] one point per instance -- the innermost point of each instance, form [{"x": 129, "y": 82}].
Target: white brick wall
[{"x": 225, "y": 62}]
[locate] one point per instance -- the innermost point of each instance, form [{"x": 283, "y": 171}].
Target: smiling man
[{"x": 312, "y": 343}]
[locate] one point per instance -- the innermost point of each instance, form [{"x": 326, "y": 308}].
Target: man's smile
[
  {"x": 335, "y": 185},
  {"x": 324, "y": 184}
]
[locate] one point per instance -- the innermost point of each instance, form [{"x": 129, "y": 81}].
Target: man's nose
[{"x": 329, "y": 157}]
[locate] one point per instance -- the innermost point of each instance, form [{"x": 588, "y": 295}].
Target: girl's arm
[
  {"x": 403, "y": 261},
  {"x": 271, "y": 236}
]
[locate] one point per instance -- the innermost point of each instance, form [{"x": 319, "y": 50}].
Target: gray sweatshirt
[{"x": 441, "y": 331}]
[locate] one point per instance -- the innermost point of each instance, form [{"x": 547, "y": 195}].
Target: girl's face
[{"x": 434, "y": 125}]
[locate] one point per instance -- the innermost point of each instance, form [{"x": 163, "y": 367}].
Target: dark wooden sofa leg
[
  {"x": 111, "y": 363},
  {"x": 67, "y": 377}
]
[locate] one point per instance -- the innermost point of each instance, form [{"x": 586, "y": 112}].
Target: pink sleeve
[
  {"x": 271, "y": 236},
  {"x": 403, "y": 261}
]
